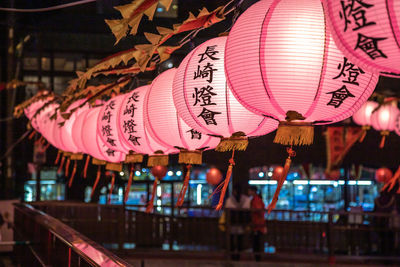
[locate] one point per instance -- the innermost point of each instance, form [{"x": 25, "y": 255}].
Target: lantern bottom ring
[
  {"x": 190, "y": 156},
  {"x": 98, "y": 162},
  {"x": 294, "y": 133},
  {"x": 238, "y": 141}
]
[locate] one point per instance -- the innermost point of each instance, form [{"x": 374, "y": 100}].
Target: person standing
[
  {"x": 237, "y": 203},
  {"x": 258, "y": 222}
]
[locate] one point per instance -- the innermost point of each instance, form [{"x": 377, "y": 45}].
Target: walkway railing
[
  {"x": 365, "y": 236},
  {"x": 52, "y": 243}
]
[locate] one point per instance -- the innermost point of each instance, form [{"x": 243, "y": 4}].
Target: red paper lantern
[
  {"x": 384, "y": 120},
  {"x": 367, "y": 32},
  {"x": 291, "y": 70},
  {"x": 159, "y": 171},
  {"x": 383, "y": 175},
  {"x": 213, "y": 176},
  {"x": 277, "y": 173}
]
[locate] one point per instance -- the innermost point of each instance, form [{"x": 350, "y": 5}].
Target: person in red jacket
[{"x": 258, "y": 222}]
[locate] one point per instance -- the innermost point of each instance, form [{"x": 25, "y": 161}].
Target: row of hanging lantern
[
  {"x": 279, "y": 67},
  {"x": 384, "y": 118}
]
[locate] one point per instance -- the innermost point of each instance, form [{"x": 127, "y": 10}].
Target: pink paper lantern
[
  {"x": 76, "y": 130},
  {"x": 131, "y": 125},
  {"x": 32, "y": 108},
  {"x": 56, "y": 132},
  {"x": 203, "y": 99},
  {"x": 363, "y": 117},
  {"x": 384, "y": 120},
  {"x": 367, "y": 32},
  {"x": 92, "y": 142},
  {"x": 66, "y": 130},
  {"x": 281, "y": 61},
  {"x": 46, "y": 124},
  {"x": 107, "y": 125},
  {"x": 171, "y": 131}
]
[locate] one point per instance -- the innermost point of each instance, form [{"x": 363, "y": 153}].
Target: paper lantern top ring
[
  {"x": 205, "y": 102},
  {"x": 291, "y": 69},
  {"x": 367, "y": 32}
]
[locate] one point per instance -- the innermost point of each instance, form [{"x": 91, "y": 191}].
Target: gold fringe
[
  {"x": 294, "y": 133},
  {"x": 190, "y": 156},
  {"x": 76, "y": 156},
  {"x": 98, "y": 162},
  {"x": 117, "y": 167},
  {"x": 366, "y": 127},
  {"x": 157, "y": 160},
  {"x": 134, "y": 158},
  {"x": 67, "y": 154},
  {"x": 238, "y": 141}
]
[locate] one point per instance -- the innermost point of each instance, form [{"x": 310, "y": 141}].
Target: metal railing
[
  {"x": 329, "y": 235},
  {"x": 52, "y": 243}
]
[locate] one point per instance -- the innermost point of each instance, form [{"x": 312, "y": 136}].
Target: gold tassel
[
  {"x": 182, "y": 193},
  {"x": 67, "y": 166},
  {"x": 384, "y": 134},
  {"x": 150, "y": 205},
  {"x": 226, "y": 182},
  {"x": 61, "y": 164},
  {"x": 238, "y": 141},
  {"x": 190, "y": 157},
  {"x": 71, "y": 179},
  {"x": 365, "y": 128},
  {"x": 282, "y": 179},
  {"x": 128, "y": 186},
  {"x": 76, "y": 156},
  {"x": 96, "y": 181},
  {"x": 134, "y": 158},
  {"x": 86, "y": 166},
  {"x": 98, "y": 162},
  {"x": 158, "y": 159},
  {"x": 117, "y": 167},
  {"x": 294, "y": 133},
  {"x": 111, "y": 188}
]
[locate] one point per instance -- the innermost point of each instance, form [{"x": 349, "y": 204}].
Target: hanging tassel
[
  {"x": 71, "y": 179},
  {"x": 33, "y": 133},
  {"x": 86, "y": 166},
  {"x": 111, "y": 187},
  {"x": 226, "y": 181},
  {"x": 58, "y": 157},
  {"x": 128, "y": 186},
  {"x": 96, "y": 181},
  {"x": 384, "y": 134},
  {"x": 46, "y": 147},
  {"x": 365, "y": 128},
  {"x": 150, "y": 205},
  {"x": 61, "y": 164},
  {"x": 184, "y": 188},
  {"x": 282, "y": 178},
  {"x": 67, "y": 166},
  {"x": 42, "y": 140}
]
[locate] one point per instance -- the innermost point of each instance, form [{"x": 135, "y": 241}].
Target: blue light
[
  {"x": 137, "y": 173},
  {"x": 160, "y": 9},
  {"x": 261, "y": 174},
  {"x": 178, "y": 173},
  {"x": 314, "y": 189},
  {"x": 170, "y": 173},
  {"x": 300, "y": 187}
]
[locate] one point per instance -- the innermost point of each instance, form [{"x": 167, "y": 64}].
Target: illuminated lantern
[
  {"x": 367, "y": 32},
  {"x": 384, "y": 120},
  {"x": 107, "y": 125},
  {"x": 158, "y": 172},
  {"x": 92, "y": 141},
  {"x": 133, "y": 131},
  {"x": 33, "y": 108},
  {"x": 282, "y": 62},
  {"x": 134, "y": 136},
  {"x": 171, "y": 131},
  {"x": 277, "y": 173},
  {"x": 45, "y": 122},
  {"x": 363, "y": 116},
  {"x": 383, "y": 175},
  {"x": 204, "y": 101},
  {"x": 213, "y": 176}
]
